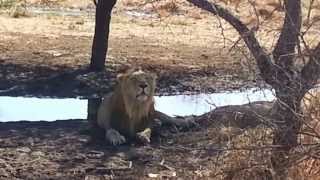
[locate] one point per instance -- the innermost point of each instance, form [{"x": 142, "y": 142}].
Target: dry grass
[{"x": 311, "y": 111}]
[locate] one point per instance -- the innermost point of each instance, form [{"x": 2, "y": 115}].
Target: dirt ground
[
  {"x": 45, "y": 52},
  {"x": 61, "y": 150},
  {"x": 224, "y": 145},
  {"x": 58, "y": 151},
  {"x": 190, "y": 50},
  {"x": 189, "y": 54}
]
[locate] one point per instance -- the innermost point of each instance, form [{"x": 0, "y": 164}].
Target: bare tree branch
[
  {"x": 95, "y": 2},
  {"x": 285, "y": 48},
  {"x": 263, "y": 60},
  {"x": 309, "y": 11}
]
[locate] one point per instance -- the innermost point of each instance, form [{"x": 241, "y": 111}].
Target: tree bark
[
  {"x": 311, "y": 71},
  {"x": 289, "y": 89},
  {"x": 101, "y": 34},
  {"x": 285, "y": 135},
  {"x": 284, "y": 51},
  {"x": 93, "y": 105}
]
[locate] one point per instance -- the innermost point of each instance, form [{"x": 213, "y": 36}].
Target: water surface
[
  {"x": 198, "y": 104},
  {"x": 35, "y": 109}
]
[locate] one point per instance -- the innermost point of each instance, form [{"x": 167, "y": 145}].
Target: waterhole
[{"x": 47, "y": 109}]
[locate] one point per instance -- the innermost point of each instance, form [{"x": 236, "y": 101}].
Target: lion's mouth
[{"x": 142, "y": 96}]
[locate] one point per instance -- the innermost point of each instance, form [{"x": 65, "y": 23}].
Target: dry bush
[
  {"x": 166, "y": 8},
  {"x": 307, "y": 169},
  {"x": 311, "y": 110},
  {"x": 7, "y": 3},
  {"x": 19, "y": 9},
  {"x": 305, "y": 162},
  {"x": 247, "y": 156},
  {"x": 132, "y": 2},
  {"x": 235, "y": 3},
  {"x": 45, "y": 2}
]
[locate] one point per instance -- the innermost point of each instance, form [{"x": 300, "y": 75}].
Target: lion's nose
[{"x": 143, "y": 85}]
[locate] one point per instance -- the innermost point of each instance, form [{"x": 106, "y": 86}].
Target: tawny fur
[{"x": 123, "y": 111}]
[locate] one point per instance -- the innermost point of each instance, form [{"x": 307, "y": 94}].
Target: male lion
[{"x": 129, "y": 112}]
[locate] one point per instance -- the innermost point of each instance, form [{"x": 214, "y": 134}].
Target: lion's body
[
  {"x": 129, "y": 108},
  {"x": 127, "y": 121}
]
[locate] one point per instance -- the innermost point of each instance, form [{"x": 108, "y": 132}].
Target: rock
[
  {"x": 38, "y": 154},
  {"x": 95, "y": 154},
  {"x": 24, "y": 150}
]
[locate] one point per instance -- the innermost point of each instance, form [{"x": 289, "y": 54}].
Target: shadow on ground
[{"x": 61, "y": 149}]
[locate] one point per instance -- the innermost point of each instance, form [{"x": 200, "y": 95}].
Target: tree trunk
[
  {"x": 93, "y": 106},
  {"x": 289, "y": 89},
  {"x": 286, "y": 134},
  {"x": 101, "y": 34}
]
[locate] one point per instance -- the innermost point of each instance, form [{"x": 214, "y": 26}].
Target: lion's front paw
[
  {"x": 114, "y": 137},
  {"x": 144, "y": 136}
]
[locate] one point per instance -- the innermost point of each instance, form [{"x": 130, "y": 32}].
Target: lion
[{"x": 128, "y": 113}]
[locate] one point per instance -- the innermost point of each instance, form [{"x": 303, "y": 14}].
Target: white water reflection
[
  {"x": 35, "y": 109},
  {"x": 198, "y": 104}
]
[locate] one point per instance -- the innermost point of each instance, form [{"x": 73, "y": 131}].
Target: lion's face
[{"x": 138, "y": 85}]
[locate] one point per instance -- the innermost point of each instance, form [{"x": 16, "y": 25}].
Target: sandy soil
[
  {"x": 190, "y": 50},
  {"x": 187, "y": 53}
]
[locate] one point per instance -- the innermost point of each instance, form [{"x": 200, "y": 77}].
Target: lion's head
[
  {"x": 137, "y": 85},
  {"x": 136, "y": 89},
  {"x": 130, "y": 107}
]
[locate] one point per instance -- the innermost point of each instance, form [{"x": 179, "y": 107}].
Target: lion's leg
[
  {"x": 144, "y": 136},
  {"x": 114, "y": 137}
]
